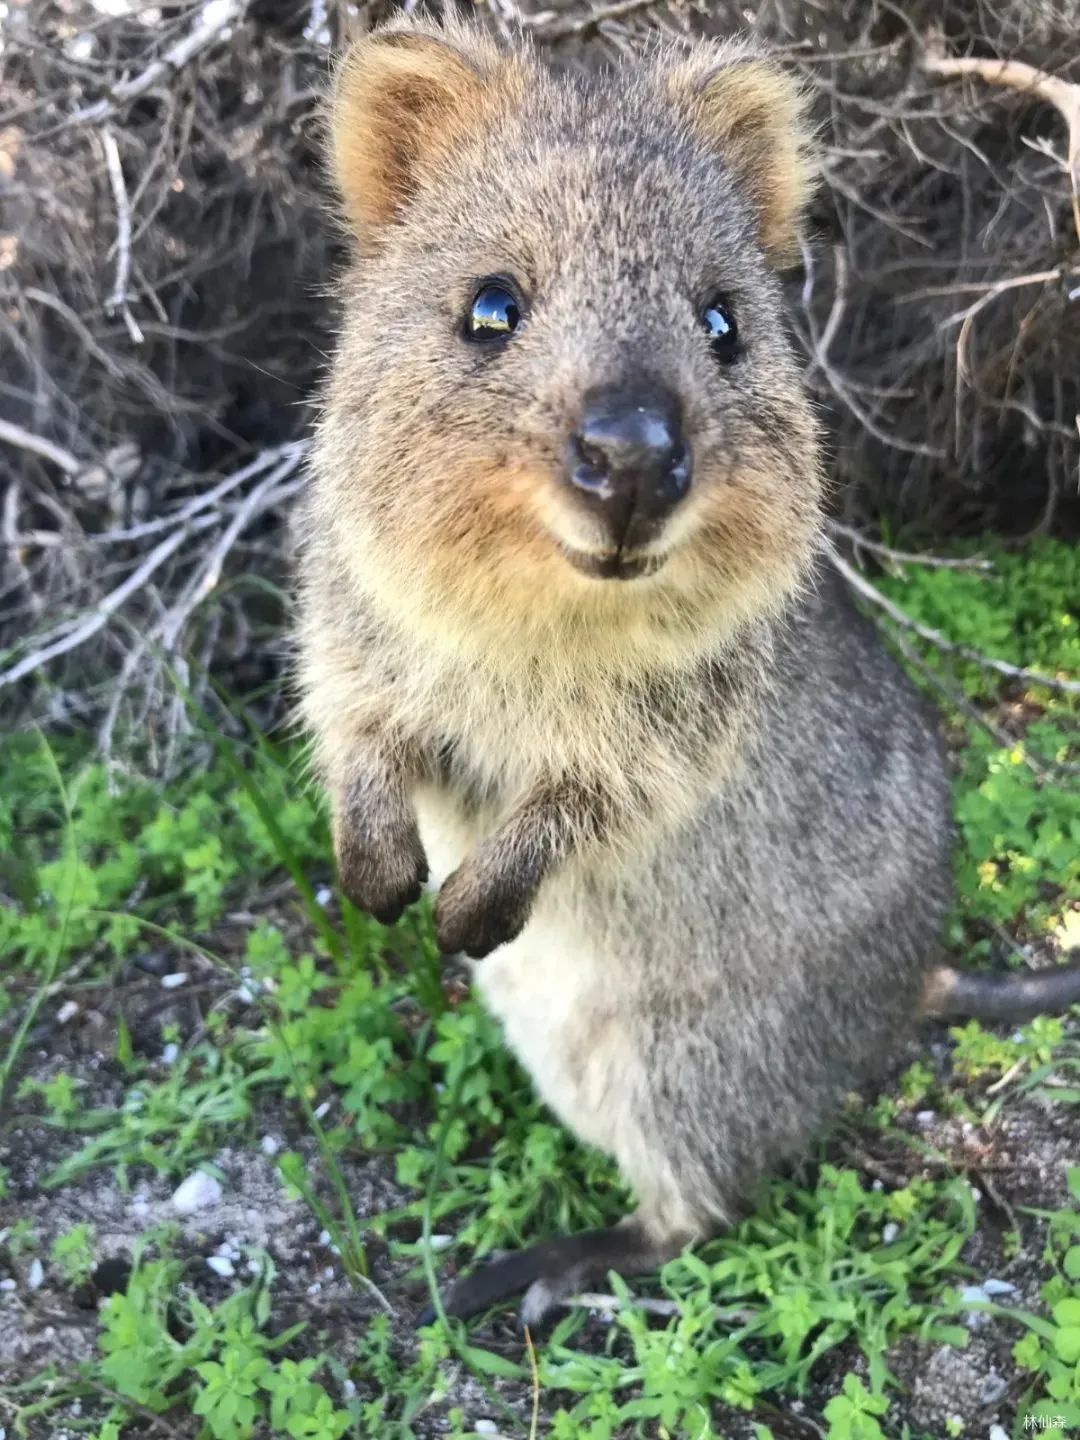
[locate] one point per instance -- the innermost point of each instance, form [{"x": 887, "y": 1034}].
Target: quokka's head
[{"x": 563, "y": 385}]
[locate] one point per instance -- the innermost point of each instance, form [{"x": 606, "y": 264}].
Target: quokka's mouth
[{"x": 616, "y": 566}]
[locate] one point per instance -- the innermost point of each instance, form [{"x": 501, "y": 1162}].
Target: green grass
[{"x": 811, "y": 1298}]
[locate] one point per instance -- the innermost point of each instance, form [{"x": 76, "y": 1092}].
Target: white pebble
[
  {"x": 998, "y": 1287},
  {"x": 323, "y": 896},
  {"x": 926, "y": 1117},
  {"x": 35, "y": 1276},
  {"x": 322, "y": 1110},
  {"x": 7, "y": 1284},
  {"x": 197, "y": 1192},
  {"x": 440, "y": 1242},
  {"x": 997, "y": 1433},
  {"x": 976, "y": 1194},
  {"x": 314, "y": 1288},
  {"x": 328, "y": 1273},
  {"x": 221, "y": 1265},
  {"x": 175, "y": 980},
  {"x": 67, "y": 1012},
  {"x": 324, "y": 1237},
  {"x": 170, "y": 1054},
  {"x": 140, "y": 1207},
  {"x": 244, "y": 994},
  {"x": 975, "y": 1295},
  {"x": 890, "y": 1232},
  {"x": 348, "y": 1390},
  {"x": 486, "y": 1427},
  {"x": 269, "y": 1146}
]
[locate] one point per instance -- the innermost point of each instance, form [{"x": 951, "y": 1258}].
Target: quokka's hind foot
[{"x": 549, "y": 1273}]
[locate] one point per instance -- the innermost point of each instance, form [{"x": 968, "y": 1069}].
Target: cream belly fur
[{"x": 570, "y": 1012}]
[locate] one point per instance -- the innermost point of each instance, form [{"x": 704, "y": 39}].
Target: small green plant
[
  {"x": 73, "y": 1253},
  {"x": 853, "y": 1414},
  {"x": 1050, "y": 1350}
]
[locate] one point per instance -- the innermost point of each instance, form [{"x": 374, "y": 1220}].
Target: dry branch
[
  {"x": 38, "y": 445},
  {"x": 1018, "y": 673},
  {"x": 1017, "y": 75},
  {"x": 213, "y": 20}
]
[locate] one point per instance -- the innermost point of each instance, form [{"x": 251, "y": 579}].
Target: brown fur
[{"x": 696, "y": 821}]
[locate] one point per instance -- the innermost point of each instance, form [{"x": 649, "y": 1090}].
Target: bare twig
[
  {"x": 293, "y": 452},
  {"x": 118, "y": 297},
  {"x": 906, "y": 557},
  {"x": 210, "y": 571},
  {"x": 100, "y": 615},
  {"x": 1017, "y": 75},
  {"x": 871, "y": 593},
  {"x": 552, "y": 25},
  {"x": 215, "y": 17},
  {"x": 37, "y": 444}
]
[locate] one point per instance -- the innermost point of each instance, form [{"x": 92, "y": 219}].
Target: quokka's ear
[
  {"x": 402, "y": 96},
  {"x": 754, "y": 115}
]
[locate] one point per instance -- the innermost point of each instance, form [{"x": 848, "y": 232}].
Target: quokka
[{"x": 569, "y": 646}]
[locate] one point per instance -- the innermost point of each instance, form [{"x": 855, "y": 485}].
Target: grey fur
[{"x": 696, "y": 822}]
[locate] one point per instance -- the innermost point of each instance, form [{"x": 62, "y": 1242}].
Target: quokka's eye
[
  {"x": 719, "y": 322},
  {"x": 495, "y": 312}
]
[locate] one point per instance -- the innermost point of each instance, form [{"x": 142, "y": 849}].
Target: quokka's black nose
[{"x": 629, "y": 461}]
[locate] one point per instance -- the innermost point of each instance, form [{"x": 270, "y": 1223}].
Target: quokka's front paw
[
  {"x": 382, "y": 865},
  {"x": 479, "y": 909}
]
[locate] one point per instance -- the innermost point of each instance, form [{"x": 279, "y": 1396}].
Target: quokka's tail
[
  {"x": 980, "y": 995},
  {"x": 552, "y": 1271}
]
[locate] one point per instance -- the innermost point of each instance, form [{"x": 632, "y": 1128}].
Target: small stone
[
  {"x": 976, "y": 1194},
  {"x": 328, "y": 1272},
  {"x": 175, "y": 980},
  {"x": 348, "y": 1389},
  {"x": 889, "y": 1232},
  {"x": 440, "y": 1242},
  {"x": 140, "y": 1207},
  {"x": 314, "y": 1288},
  {"x": 7, "y": 1284},
  {"x": 170, "y": 1054},
  {"x": 486, "y": 1427},
  {"x": 197, "y": 1192},
  {"x": 997, "y": 1432},
  {"x": 67, "y": 1012},
  {"x": 925, "y": 1118},
  {"x": 269, "y": 1146},
  {"x": 322, "y": 1110},
  {"x": 35, "y": 1276},
  {"x": 323, "y": 896},
  {"x": 324, "y": 1237},
  {"x": 244, "y": 994},
  {"x": 221, "y": 1265},
  {"x": 998, "y": 1287},
  {"x": 994, "y": 1388},
  {"x": 975, "y": 1295}
]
